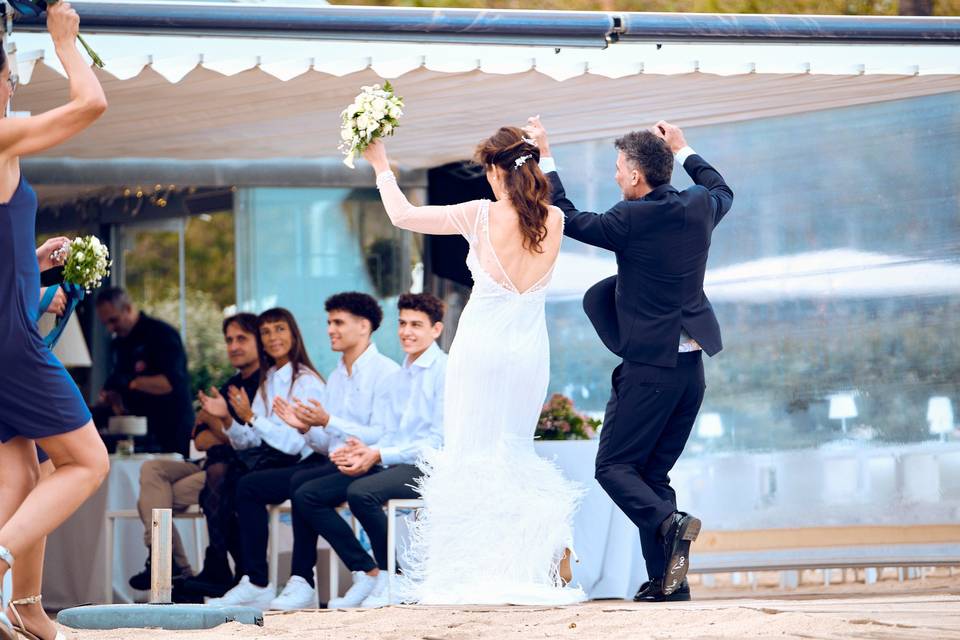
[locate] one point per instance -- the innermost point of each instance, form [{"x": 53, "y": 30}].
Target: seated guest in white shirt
[
  {"x": 408, "y": 419},
  {"x": 289, "y": 374},
  {"x": 347, "y": 409}
]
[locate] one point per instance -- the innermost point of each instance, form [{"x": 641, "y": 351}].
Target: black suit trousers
[{"x": 646, "y": 426}]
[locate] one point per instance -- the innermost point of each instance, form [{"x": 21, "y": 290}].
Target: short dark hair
[
  {"x": 428, "y": 303},
  {"x": 362, "y": 305},
  {"x": 648, "y": 153},
  {"x": 117, "y": 296},
  {"x": 246, "y": 321}
]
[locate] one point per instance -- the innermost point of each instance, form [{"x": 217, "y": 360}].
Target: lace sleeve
[{"x": 444, "y": 220}]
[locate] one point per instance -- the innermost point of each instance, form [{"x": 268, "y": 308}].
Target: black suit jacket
[{"x": 661, "y": 242}]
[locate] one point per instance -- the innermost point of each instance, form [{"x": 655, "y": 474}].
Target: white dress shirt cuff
[
  {"x": 335, "y": 428},
  {"x": 683, "y": 154},
  {"x": 390, "y": 456},
  {"x": 548, "y": 164}
]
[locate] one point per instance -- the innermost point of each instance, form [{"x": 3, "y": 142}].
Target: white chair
[
  {"x": 392, "y": 506},
  {"x": 192, "y": 512},
  {"x": 273, "y": 547}
]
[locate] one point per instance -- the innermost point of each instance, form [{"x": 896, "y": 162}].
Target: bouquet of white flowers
[
  {"x": 88, "y": 262},
  {"x": 374, "y": 113}
]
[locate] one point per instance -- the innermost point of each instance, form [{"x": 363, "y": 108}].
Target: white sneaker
[
  {"x": 363, "y": 585},
  {"x": 247, "y": 594},
  {"x": 298, "y": 594},
  {"x": 378, "y": 597}
]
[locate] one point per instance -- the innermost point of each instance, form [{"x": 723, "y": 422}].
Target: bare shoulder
[{"x": 555, "y": 217}]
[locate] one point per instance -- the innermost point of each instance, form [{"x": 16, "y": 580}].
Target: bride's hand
[{"x": 376, "y": 155}]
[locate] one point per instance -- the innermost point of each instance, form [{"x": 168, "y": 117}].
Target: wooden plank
[
  {"x": 161, "y": 558},
  {"x": 813, "y": 537}
]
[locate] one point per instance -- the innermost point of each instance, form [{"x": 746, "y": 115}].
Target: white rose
[
  {"x": 79, "y": 255},
  {"x": 363, "y": 121},
  {"x": 387, "y": 128},
  {"x": 379, "y": 104},
  {"x": 346, "y": 134}
]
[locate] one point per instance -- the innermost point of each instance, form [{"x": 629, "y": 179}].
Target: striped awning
[{"x": 207, "y": 98}]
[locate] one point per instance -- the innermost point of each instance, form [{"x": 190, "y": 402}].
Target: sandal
[
  {"x": 21, "y": 628},
  {"x": 6, "y": 591}
]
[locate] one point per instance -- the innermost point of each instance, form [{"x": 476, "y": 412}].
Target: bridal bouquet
[
  {"x": 87, "y": 263},
  {"x": 374, "y": 113}
]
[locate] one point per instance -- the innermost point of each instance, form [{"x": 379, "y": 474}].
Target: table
[
  {"x": 606, "y": 542},
  {"x": 73, "y": 572}
]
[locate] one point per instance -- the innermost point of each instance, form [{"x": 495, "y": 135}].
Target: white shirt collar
[
  {"x": 426, "y": 359},
  {"x": 368, "y": 354},
  {"x": 284, "y": 373}
]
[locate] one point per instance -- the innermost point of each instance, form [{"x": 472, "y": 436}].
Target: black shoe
[
  {"x": 215, "y": 579},
  {"x": 652, "y": 591},
  {"x": 678, "y": 531},
  {"x": 142, "y": 581}
]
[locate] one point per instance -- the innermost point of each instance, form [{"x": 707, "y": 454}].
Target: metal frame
[{"x": 504, "y": 27}]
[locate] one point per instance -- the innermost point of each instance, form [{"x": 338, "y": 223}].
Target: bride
[{"x": 498, "y": 519}]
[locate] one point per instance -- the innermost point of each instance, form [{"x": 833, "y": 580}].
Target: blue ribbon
[{"x": 75, "y": 294}]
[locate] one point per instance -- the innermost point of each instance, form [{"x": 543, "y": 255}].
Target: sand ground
[{"x": 915, "y": 609}]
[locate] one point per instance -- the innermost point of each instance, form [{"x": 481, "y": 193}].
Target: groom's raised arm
[
  {"x": 609, "y": 230},
  {"x": 703, "y": 174}
]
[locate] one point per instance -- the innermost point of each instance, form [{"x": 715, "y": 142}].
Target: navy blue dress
[{"x": 38, "y": 398}]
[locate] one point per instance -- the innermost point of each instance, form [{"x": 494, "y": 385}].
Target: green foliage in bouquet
[
  {"x": 88, "y": 263},
  {"x": 559, "y": 420}
]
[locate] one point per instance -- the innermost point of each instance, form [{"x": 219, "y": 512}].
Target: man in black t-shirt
[{"x": 149, "y": 375}]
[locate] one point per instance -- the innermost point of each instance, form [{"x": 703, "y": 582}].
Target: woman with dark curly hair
[{"x": 498, "y": 518}]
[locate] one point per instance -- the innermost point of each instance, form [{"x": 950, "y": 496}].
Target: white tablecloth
[
  {"x": 74, "y": 570},
  {"x": 607, "y": 543}
]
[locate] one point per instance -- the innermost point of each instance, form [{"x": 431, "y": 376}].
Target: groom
[{"x": 655, "y": 316}]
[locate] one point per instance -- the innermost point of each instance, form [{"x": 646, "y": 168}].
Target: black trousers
[
  {"x": 314, "y": 514},
  {"x": 646, "y": 426},
  {"x": 258, "y": 489}
]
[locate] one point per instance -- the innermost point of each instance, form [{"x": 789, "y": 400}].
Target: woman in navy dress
[{"x": 39, "y": 403}]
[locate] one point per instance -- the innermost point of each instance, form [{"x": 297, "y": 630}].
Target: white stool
[
  {"x": 392, "y": 506},
  {"x": 192, "y": 512}
]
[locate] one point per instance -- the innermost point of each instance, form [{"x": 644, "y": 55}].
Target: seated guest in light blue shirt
[{"x": 407, "y": 423}]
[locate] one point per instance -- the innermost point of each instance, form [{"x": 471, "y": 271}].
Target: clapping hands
[
  {"x": 288, "y": 414},
  {"x": 355, "y": 458},
  {"x": 214, "y": 404}
]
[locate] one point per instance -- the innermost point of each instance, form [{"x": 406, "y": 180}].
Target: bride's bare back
[
  {"x": 499, "y": 245},
  {"x": 522, "y": 269}
]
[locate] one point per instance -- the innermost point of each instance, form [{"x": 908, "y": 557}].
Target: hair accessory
[
  {"x": 529, "y": 141},
  {"x": 519, "y": 162}
]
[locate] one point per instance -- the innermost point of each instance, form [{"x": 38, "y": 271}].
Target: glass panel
[
  {"x": 836, "y": 281},
  {"x": 296, "y": 247},
  {"x": 151, "y": 274}
]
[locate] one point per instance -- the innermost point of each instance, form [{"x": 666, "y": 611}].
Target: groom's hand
[
  {"x": 672, "y": 135},
  {"x": 535, "y": 130}
]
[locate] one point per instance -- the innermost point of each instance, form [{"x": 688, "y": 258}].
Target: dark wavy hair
[
  {"x": 648, "y": 153},
  {"x": 362, "y": 305},
  {"x": 526, "y": 185},
  {"x": 299, "y": 358},
  {"x": 247, "y": 322},
  {"x": 424, "y": 302}
]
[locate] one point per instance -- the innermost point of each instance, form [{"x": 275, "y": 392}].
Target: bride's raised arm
[{"x": 437, "y": 220}]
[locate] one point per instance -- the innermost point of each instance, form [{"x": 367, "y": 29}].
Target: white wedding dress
[{"x": 498, "y": 517}]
